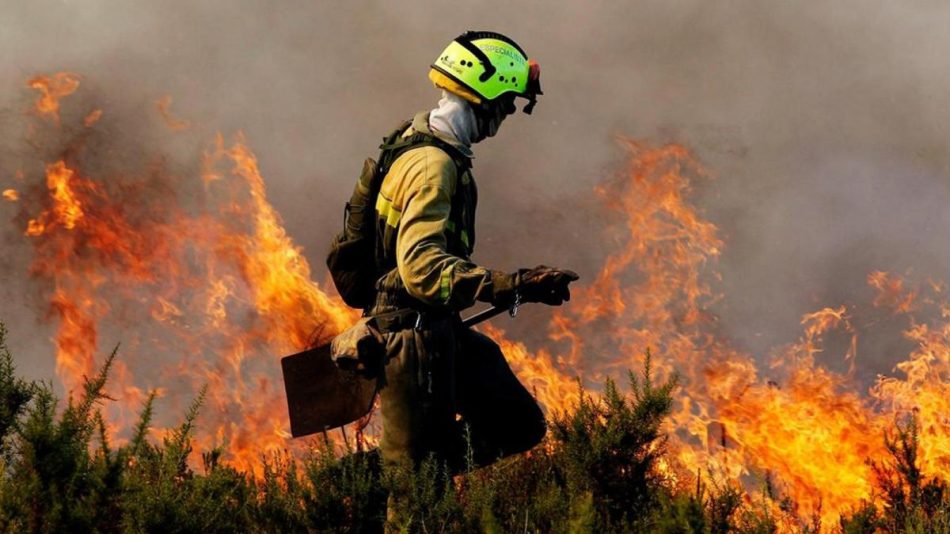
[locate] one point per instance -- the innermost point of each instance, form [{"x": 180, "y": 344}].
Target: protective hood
[{"x": 455, "y": 118}]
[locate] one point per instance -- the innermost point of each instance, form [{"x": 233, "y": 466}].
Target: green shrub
[
  {"x": 609, "y": 447},
  {"x": 596, "y": 472},
  {"x": 911, "y": 502},
  {"x": 52, "y": 482},
  {"x": 15, "y": 394}
]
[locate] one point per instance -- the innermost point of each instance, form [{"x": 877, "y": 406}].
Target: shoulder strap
[{"x": 394, "y": 145}]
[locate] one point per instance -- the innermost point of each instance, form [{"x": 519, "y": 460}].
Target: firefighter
[{"x": 446, "y": 387}]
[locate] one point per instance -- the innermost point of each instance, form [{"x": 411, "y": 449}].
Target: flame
[
  {"x": 53, "y": 88},
  {"x": 66, "y": 209},
  {"x": 164, "y": 105},
  {"x": 11, "y": 195},
  {"x": 198, "y": 277},
  {"x": 229, "y": 288},
  {"x": 222, "y": 287},
  {"x": 925, "y": 392},
  {"x": 807, "y": 430},
  {"x": 92, "y": 118},
  {"x": 891, "y": 292}
]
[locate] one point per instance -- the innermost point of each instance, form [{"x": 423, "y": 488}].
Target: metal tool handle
[{"x": 483, "y": 315}]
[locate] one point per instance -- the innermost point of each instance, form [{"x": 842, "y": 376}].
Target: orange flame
[
  {"x": 809, "y": 432},
  {"x": 891, "y": 292},
  {"x": 925, "y": 392},
  {"x": 225, "y": 289},
  {"x": 214, "y": 293},
  {"x": 53, "y": 88},
  {"x": 92, "y": 118},
  {"x": 11, "y": 195},
  {"x": 164, "y": 105},
  {"x": 66, "y": 208}
]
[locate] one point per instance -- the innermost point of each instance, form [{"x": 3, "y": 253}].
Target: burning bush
[
  {"x": 62, "y": 473},
  {"x": 600, "y": 470},
  {"x": 190, "y": 264}
]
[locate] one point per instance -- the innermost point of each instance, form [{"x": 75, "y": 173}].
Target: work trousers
[{"x": 447, "y": 387}]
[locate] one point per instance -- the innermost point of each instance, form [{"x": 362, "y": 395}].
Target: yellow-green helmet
[{"x": 482, "y": 66}]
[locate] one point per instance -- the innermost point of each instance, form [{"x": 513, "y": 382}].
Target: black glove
[
  {"x": 504, "y": 286},
  {"x": 541, "y": 284},
  {"x": 546, "y": 284}
]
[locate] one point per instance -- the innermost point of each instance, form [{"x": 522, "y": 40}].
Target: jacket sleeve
[{"x": 428, "y": 271}]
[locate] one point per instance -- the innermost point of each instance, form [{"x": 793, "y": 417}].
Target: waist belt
[
  {"x": 395, "y": 299},
  {"x": 406, "y": 319}
]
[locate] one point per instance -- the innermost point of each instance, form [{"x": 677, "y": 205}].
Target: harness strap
[{"x": 394, "y": 145}]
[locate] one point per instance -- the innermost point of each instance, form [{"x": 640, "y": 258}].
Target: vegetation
[{"x": 597, "y": 472}]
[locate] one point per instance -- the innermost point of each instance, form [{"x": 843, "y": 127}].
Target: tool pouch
[{"x": 359, "y": 348}]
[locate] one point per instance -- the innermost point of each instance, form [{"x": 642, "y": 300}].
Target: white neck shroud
[{"x": 454, "y": 117}]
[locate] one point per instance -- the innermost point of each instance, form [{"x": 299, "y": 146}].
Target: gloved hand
[
  {"x": 541, "y": 284},
  {"x": 546, "y": 284}
]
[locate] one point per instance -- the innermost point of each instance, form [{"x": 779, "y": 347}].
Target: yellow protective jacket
[{"x": 426, "y": 220}]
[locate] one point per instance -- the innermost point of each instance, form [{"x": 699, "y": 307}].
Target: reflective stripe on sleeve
[
  {"x": 387, "y": 211},
  {"x": 445, "y": 289}
]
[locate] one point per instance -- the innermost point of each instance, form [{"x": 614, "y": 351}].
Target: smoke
[{"x": 823, "y": 123}]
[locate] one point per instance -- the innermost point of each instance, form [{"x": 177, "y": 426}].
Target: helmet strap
[{"x": 529, "y": 107}]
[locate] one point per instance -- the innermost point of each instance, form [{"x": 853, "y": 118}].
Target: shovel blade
[{"x": 321, "y": 396}]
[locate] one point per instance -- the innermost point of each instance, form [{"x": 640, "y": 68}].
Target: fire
[
  {"x": 891, "y": 292},
  {"x": 52, "y": 89},
  {"x": 924, "y": 392},
  {"x": 197, "y": 276},
  {"x": 226, "y": 289},
  {"x": 92, "y": 118},
  {"x": 808, "y": 430},
  {"x": 163, "y": 105},
  {"x": 66, "y": 209},
  {"x": 220, "y": 285},
  {"x": 11, "y": 195}
]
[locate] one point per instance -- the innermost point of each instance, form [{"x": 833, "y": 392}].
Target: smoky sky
[{"x": 824, "y": 125}]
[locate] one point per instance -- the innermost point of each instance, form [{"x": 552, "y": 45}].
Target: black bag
[{"x": 352, "y": 256}]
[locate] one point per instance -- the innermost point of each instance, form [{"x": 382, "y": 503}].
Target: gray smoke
[{"x": 825, "y": 124}]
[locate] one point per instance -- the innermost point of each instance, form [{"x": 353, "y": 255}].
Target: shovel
[{"x": 321, "y": 396}]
